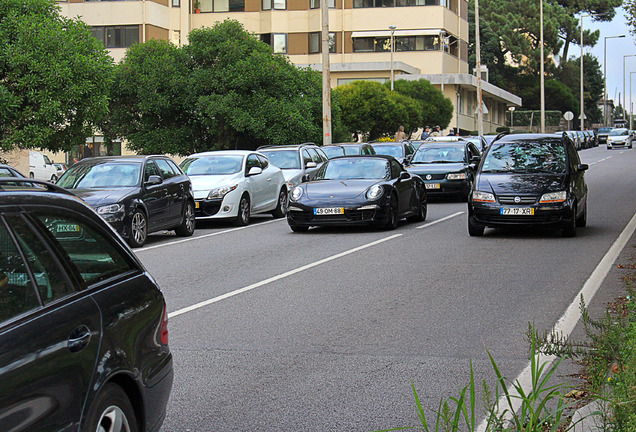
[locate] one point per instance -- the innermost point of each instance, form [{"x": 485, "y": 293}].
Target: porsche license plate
[
  {"x": 432, "y": 185},
  {"x": 329, "y": 211},
  {"x": 517, "y": 211}
]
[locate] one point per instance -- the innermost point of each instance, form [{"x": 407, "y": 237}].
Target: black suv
[
  {"x": 137, "y": 195},
  {"x": 83, "y": 326}
]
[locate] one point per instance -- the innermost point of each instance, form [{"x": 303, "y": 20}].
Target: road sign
[
  {"x": 568, "y": 115},
  {"x": 584, "y": 116}
]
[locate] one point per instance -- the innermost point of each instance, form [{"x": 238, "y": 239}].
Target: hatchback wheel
[
  {"x": 243, "y": 217},
  {"x": 281, "y": 207},
  {"x": 138, "y": 232},
  {"x": 112, "y": 412},
  {"x": 186, "y": 228}
]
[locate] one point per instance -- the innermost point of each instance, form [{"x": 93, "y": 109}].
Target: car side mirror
[
  {"x": 583, "y": 167},
  {"x": 254, "y": 171},
  {"x": 475, "y": 159},
  {"x": 311, "y": 165},
  {"x": 154, "y": 180},
  {"x": 404, "y": 175},
  {"x": 305, "y": 178}
]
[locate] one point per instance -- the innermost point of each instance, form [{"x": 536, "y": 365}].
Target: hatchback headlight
[
  {"x": 375, "y": 192},
  {"x": 553, "y": 197},
  {"x": 110, "y": 209},
  {"x": 456, "y": 176},
  {"x": 296, "y": 193},
  {"x": 220, "y": 192},
  {"x": 483, "y": 197}
]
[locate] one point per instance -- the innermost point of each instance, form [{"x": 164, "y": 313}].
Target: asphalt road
[{"x": 330, "y": 327}]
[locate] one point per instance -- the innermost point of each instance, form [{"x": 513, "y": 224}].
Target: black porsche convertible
[{"x": 358, "y": 190}]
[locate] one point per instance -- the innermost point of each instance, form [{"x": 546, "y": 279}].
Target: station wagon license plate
[
  {"x": 67, "y": 228},
  {"x": 329, "y": 211},
  {"x": 517, "y": 211},
  {"x": 432, "y": 186}
]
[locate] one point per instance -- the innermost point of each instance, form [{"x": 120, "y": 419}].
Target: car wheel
[
  {"x": 281, "y": 207},
  {"x": 53, "y": 178},
  {"x": 392, "y": 223},
  {"x": 475, "y": 230},
  {"x": 138, "y": 232},
  {"x": 295, "y": 228},
  {"x": 186, "y": 228},
  {"x": 582, "y": 220},
  {"x": 570, "y": 229},
  {"x": 243, "y": 217},
  {"x": 422, "y": 209},
  {"x": 112, "y": 412}
]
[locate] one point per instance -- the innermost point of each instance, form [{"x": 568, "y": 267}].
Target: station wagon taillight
[{"x": 164, "y": 326}]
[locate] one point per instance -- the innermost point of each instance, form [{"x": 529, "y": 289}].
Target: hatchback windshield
[
  {"x": 212, "y": 165},
  {"x": 283, "y": 159},
  {"x": 351, "y": 150},
  {"x": 441, "y": 154},
  {"x": 333, "y": 151},
  {"x": 396, "y": 151},
  {"x": 525, "y": 157},
  {"x": 604, "y": 129},
  {"x": 618, "y": 132},
  {"x": 101, "y": 175},
  {"x": 354, "y": 168}
]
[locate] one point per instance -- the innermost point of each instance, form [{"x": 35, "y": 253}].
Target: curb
[{"x": 587, "y": 418}]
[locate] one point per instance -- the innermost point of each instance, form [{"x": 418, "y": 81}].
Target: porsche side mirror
[{"x": 404, "y": 175}]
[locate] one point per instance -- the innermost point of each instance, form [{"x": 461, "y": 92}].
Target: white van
[{"x": 41, "y": 167}]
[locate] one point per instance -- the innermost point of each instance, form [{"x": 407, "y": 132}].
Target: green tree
[
  {"x": 558, "y": 96},
  {"x": 54, "y": 77},
  {"x": 570, "y": 75},
  {"x": 434, "y": 108}
]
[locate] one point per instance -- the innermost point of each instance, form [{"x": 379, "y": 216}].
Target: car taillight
[{"x": 164, "y": 326}]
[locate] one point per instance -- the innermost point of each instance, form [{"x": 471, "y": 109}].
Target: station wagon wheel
[
  {"x": 281, "y": 207},
  {"x": 186, "y": 228},
  {"x": 243, "y": 217},
  {"x": 112, "y": 412},
  {"x": 138, "y": 229}
]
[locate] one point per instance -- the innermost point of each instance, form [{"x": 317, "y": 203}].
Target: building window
[
  {"x": 315, "y": 43},
  {"x": 275, "y": 4},
  {"x": 278, "y": 41},
  {"x": 116, "y": 36},
  {"x": 222, "y": 5},
  {"x": 315, "y": 4},
  {"x": 451, "y": 4},
  {"x": 402, "y": 43},
  {"x": 176, "y": 3}
]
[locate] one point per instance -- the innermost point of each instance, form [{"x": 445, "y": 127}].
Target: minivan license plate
[
  {"x": 329, "y": 211},
  {"x": 517, "y": 211}
]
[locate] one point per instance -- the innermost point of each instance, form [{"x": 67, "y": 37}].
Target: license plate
[
  {"x": 67, "y": 228},
  {"x": 432, "y": 185},
  {"x": 517, "y": 211},
  {"x": 329, "y": 211}
]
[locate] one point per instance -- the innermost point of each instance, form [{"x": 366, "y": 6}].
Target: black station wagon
[{"x": 83, "y": 326}]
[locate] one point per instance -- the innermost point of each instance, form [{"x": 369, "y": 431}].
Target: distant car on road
[
  {"x": 235, "y": 184},
  {"x": 296, "y": 160},
  {"x": 347, "y": 149},
  {"x": 41, "y": 167},
  {"x": 137, "y": 195},
  {"x": 603, "y": 133},
  {"x": 402, "y": 151},
  {"x": 529, "y": 179},
  {"x": 619, "y": 137},
  {"x": 83, "y": 326}
]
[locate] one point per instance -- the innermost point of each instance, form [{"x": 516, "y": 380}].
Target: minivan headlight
[
  {"x": 483, "y": 196},
  {"x": 296, "y": 193},
  {"x": 553, "y": 197},
  {"x": 375, "y": 192}
]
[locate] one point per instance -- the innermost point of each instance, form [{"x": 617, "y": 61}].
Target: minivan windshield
[{"x": 525, "y": 157}]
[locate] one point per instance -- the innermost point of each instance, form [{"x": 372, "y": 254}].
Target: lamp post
[
  {"x": 392, "y": 28},
  {"x": 480, "y": 102},
  {"x": 542, "y": 72},
  {"x": 625, "y": 94},
  {"x": 512, "y": 119},
  {"x": 605, "y": 76},
  {"x": 631, "y": 107}
]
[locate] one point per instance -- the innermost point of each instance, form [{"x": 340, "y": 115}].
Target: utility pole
[
  {"x": 480, "y": 102},
  {"x": 542, "y": 73},
  {"x": 326, "y": 75}
]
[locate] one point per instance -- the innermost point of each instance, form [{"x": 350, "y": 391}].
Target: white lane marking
[
  {"x": 206, "y": 235},
  {"x": 565, "y": 325},
  {"x": 280, "y": 276},
  {"x": 441, "y": 220}
]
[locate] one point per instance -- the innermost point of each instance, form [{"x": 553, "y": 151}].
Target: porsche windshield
[
  {"x": 526, "y": 157},
  {"x": 354, "y": 168}
]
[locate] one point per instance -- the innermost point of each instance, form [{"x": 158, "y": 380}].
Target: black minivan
[
  {"x": 83, "y": 326},
  {"x": 529, "y": 179}
]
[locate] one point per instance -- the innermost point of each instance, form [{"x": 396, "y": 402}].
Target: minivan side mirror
[
  {"x": 154, "y": 180},
  {"x": 583, "y": 167},
  {"x": 311, "y": 165}
]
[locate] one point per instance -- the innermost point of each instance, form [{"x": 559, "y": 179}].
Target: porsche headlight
[
  {"x": 456, "y": 176},
  {"x": 375, "y": 192},
  {"x": 553, "y": 197},
  {"x": 220, "y": 192},
  {"x": 483, "y": 197},
  {"x": 296, "y": 193}
]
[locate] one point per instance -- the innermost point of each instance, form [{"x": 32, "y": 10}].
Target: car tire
[
  {"x": 581, "y": 221},
  {"x": 299, "y": 229},
  {"x": 138, "y": 229},
  {"x": 475, "y": 230},
  {"x": 281, "y": 208},
  {"x": 112, "y": 412},
  {"x": 570, "y": 229},
  {"x": 187, "y": 226},
  {"x": 53, "y": 178},
  {"x": 393, "y": 220},
  {"x": 422, "y": 209},
  {"x": 243, "y": 217}
]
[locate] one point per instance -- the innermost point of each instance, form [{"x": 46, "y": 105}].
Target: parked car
[
  {"x": 9, "y": 171},
  {"x": 447, "y": 168},
  {"x": 402, "y": 151},
  {"x": 619, "y": 137},
  {"x": 83, "y": 326},
  {"x": 575, "y": 137},
  {"x": 603, "y": 133},
  {"x": 347, "y": 149},
  {"x": 358, "y": 190},
  {"x": 296, "y": 161},
  {"x": 529, "y": 179},
  {"x": 236, "y": 184},
  {"x": 41, "y": 167},
  {"x": 137, "y": 195},
  {"x": 478, "y": 141},
  {"x": 60, "y": 166}
]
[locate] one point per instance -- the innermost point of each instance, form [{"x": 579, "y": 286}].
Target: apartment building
[{"x": 430, "y": 39}]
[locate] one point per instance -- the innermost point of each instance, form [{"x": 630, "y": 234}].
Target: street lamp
[
  {"x": 605, "y": 76},
  {"x": 392, "y": 28},
  {"x": 582, "y": 116},
  {"x": 512, "y": 119},
  {"x": 624, "y": 94},
  {"x": 631, "y": 108}
]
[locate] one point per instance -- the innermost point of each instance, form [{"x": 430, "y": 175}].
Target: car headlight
[
  {"x": 375, "y": 192},
  {"x": 296, "y": 193},
  {"x": 220, "y": 192},
  {"x": 553, "y": 197},
  {"x": 110, "y": 209},
  {"x": 456, "y": 176},
  {"x": 483, "y": 196}
]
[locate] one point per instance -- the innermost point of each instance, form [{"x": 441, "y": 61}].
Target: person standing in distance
[{"x": 400, "y": 134}]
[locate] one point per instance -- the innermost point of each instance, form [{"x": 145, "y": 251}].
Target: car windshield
[
  {"x": 526, "y": 157},
  {"x": 333, "y": 151},
  {"x": 283, "y": 159},
  {"x": 212, "y": 165},
  {"x": 351, "y": 150},
  {"x": 106, "y": 174},
  {"x": 396, "y": 150},
  {"x": 438, "y": 154},
  {"x": 604, "y": 129},
  {"x": 354, "y": 168},
  {"x": 619, "y": 132}
]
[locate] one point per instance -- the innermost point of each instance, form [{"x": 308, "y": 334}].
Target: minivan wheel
[
  {"x": 112, "y": 412},
  {"x": 475, "y": 230},
  {"x": 138, "y": 232},
  {"x": 582, "y": 220},
  {"x": 186, "y": 228},
  {"x": 570, "y": 228}
]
